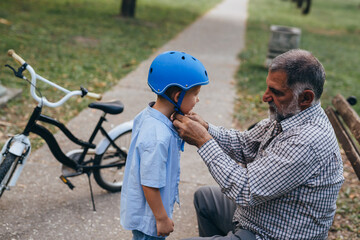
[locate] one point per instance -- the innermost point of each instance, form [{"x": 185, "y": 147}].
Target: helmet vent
[
  {"x": 183, "y": 57},
  {"x": 151, "y": 70},
  {"x": 172, "y": 52},
  {"x": 194, "y": 59},
  {"x": 205, "y": 73}
]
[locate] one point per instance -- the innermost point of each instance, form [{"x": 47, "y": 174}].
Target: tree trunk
[{"x": 128, "y": 8}]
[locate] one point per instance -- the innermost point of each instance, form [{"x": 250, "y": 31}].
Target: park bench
[{"x": 346, "y": 124}]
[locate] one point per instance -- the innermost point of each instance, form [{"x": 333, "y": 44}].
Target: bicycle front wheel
[
  {"x": 7, "y": 169},
  {"x": 111, "y": 178}
]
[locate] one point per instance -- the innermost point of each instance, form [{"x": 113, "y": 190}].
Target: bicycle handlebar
[
  {"x": 12, "y": 53},
  {"x": 93, "y": 96},
  {"x": 34, "y": 76}
]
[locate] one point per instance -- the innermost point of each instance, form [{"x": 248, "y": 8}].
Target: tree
[{"x": 128, "y": 8}]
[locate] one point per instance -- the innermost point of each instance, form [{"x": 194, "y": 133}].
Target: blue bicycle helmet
[{"x": 175, "y": 68}]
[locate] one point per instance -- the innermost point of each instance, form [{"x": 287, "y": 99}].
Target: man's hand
[
  {"x": 193, "y": 132},
  {"x": 164, "y": 227},
  {"x": 197, "y": 118}
]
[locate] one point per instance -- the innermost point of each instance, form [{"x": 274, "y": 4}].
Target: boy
[{"x": 152, "y": 171}]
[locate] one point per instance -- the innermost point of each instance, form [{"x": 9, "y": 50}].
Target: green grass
[
  {"x": 83, "y": 42},
  {"x": 331, "y": 32}
]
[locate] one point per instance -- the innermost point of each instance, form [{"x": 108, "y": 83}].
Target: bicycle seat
[{"x": 114, "y": 107}]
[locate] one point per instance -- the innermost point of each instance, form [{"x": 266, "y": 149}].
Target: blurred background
[{"x": 94, "y": 43}]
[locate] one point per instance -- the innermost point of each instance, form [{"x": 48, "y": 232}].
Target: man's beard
[{"x": 284, "y": 112}]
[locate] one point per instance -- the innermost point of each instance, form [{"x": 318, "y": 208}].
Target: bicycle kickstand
[
  {"x": 91, "y": 191},
  {"x": 71, "y": 186}
]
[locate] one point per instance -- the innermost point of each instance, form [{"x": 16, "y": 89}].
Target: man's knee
[
  {"x": 199, "y": 198},
  {"x": 205, "y": 199},
  {"x": 201, "y": 193}
]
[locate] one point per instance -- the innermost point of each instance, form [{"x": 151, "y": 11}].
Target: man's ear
[{"x": 306, "y": 98}]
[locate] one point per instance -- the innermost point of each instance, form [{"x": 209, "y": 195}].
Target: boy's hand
[
  {"x": 164, "y": 227},
  {"x": 164, "y": 224}
]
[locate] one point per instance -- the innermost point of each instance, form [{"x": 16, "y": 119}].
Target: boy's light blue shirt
[{"x": 153, "y": 161}]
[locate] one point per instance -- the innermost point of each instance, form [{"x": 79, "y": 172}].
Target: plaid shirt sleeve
[
  {"x": 240, "y": 146},
  {"x": 288, "y": 183},
  {"x": 285, "y": 164}
]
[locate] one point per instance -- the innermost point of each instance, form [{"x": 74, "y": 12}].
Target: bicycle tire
[
  {"x": 9, "y": 164},
  {"x": 111, "y": 179}
]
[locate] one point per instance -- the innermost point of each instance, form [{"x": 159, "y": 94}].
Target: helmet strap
[
  {"x": 177, "y": 109},
  {"x": 178, "y": 104}
]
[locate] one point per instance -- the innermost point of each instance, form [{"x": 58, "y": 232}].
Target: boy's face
[{"x": 190, "y": 99}]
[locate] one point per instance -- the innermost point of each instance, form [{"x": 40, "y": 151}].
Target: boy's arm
[{"x": 164, "y": 224}]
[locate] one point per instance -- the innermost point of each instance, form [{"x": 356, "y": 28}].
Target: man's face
[{"x": 282, "y": 101}]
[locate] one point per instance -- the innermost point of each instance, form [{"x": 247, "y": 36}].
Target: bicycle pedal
[{"x": 67, "y": 182}]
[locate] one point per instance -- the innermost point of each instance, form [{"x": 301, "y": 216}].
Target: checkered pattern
[{"x": 285, "y": 184}]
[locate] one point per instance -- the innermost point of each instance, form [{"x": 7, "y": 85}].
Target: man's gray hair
[{"x": 303, "y": 70}]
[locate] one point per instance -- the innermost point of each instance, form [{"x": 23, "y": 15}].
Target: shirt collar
[
  {"x": 301, "y": 117},
  {"x": 161, "y": 117}
]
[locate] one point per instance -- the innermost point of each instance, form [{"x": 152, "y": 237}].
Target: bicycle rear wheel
[
  {"x": 7, "y": 169},
  {"x": 111, "y": 178}
]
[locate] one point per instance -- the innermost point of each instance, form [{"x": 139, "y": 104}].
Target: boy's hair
[{"x": 171, "y": 91}]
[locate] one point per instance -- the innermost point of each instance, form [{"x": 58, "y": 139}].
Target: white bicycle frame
[
  {"x": 20, "y": 144},
  {"x": 122, "y": 128},
  {"x": 20, "y": 147}
]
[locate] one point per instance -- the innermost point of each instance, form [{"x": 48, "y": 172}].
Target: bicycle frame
[
  {"x": 21, "y": 142},
  {"x": 21, "y": 148},
  {"x": 33, "y": 127},
  {"x": 20, "y": 145}
]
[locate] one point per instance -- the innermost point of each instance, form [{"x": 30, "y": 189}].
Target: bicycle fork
[{"x": 20, "y": 146}]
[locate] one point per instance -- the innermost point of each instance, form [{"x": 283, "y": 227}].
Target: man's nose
[{"x": 267, "y": 97}]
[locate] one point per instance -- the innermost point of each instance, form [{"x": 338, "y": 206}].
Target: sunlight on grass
[
  {"x": 82, "y": 43},
  {"x": 331, "y": 32}
]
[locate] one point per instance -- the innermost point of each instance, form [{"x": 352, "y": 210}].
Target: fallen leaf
[
  {"x": 5, "y": 123},
  {"x": 4, "y": 21}
]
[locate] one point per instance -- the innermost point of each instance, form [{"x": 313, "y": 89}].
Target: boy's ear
[{"x": 176, "y": 96}]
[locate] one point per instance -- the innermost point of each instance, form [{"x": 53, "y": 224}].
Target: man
[{"x": 281, "y": 179}]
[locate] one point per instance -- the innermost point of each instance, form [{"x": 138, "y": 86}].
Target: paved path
[{"x": 41, "y": 207}]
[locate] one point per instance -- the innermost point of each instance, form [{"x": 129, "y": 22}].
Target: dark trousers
[{"x": 214, "y": 214}]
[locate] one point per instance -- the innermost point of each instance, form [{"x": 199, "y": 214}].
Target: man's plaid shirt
[{"x": 285, "y": 185}]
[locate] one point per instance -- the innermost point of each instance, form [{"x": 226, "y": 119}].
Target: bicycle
[{"x": 106, "y": 160}]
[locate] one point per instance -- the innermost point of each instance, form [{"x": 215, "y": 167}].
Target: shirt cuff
[
  {"x": 209, "y": 151},
  {"x": 213, "y": 130}
]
